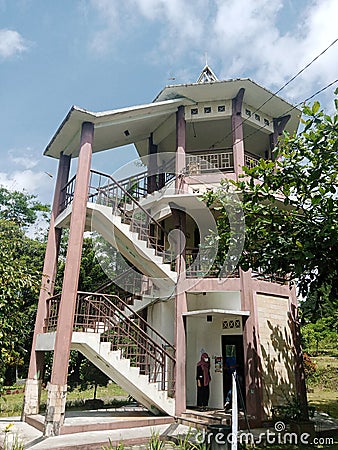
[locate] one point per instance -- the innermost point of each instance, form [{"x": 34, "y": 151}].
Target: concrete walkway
[
  {"x": 91, "y": 440},
  {"x": 34, "y": 440}
]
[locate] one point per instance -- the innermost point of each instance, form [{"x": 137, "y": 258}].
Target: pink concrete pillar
[
  {"x": 57, "y": 388},
  {"x": 180, "y": 149},
  {"x": 279, "y": 125},
  {"x": 251, "y": 344},
  {"x": 36, "y": 366},
  {"x": 237, "y": 132},
  {"x": 180, "y": 309}
]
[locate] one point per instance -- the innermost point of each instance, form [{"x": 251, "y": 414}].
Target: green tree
[
  {"x": 291, "y": 211},
  {"x": 15, "y": 281},
  {"x": 20, "y": 274},
  {"x": 91, "y": 376},
  {"x": 21, "y": 208}
]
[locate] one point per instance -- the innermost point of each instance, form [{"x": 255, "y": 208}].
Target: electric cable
[
  {"x": 291, "y": 109},
  {"x": 279, "y": 90}
]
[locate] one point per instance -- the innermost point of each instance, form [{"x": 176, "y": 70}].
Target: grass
[
  {"x": 112, "y": 395},
  {"x": 323, "y": 385}
]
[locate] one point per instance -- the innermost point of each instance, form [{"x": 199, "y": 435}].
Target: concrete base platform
[
  {"x": 131, "y": 432},
  {"x": 85, "y": 421}
]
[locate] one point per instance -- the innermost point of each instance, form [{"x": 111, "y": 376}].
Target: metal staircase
[
  {"x": 107, "y": 329},
  {"x": 121, "y": 344},
  {"x": 115, "y": 211}
]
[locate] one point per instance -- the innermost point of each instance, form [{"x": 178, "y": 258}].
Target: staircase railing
[
  {"x": 124, "y": 201},
  {"x": 135, "y": 338}
]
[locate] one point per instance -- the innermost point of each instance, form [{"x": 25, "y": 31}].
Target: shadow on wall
[{"x": 278, "y": 367}]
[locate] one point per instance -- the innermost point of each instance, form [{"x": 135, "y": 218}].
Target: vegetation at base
[
  {"x": 322, "y": 385},
  {"x": 112, "y": 396},
  {"x": 11, "y": 442}
]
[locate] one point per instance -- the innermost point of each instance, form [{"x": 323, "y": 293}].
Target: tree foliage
[
  {"x": 20, "y": 207},
  {"x": 20, "y": 274},
  {"x": 291, "y": 211}
]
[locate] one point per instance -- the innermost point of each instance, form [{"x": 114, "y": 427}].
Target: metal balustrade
[
  {"x": 126, "y": 331},
  {"x": 251, "y": 160},
  {"x": 201, "y": 262},
  {"x": 209, "y": 162}
]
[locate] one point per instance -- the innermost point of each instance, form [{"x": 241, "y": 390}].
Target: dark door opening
[{"x": 233, "y": 359}]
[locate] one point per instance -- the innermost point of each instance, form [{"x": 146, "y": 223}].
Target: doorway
[{"x": 233, "y": 359}]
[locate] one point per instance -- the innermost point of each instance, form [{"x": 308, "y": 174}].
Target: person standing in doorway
[{"x": 203, "y": 380}]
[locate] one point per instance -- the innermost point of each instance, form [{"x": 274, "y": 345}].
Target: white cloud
[
  {"x": 25, "y": 159},
  {"x": 268, "y": 41},
  {"x": 11, "y": 43},
  {"x": 26, "y": 180}
]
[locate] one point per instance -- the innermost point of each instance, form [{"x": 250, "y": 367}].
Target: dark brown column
[
  {"x": 36, "y": 366},
  {"x": 152, "y": 166},
  {"x": 251, "y": 344},
  {"x": 57, "y": 388},
  {"x": 298, "y": 355},
  {"x": 279, "y": 125},
  {"x": 180, "y": 149},
  {"x": 180, "y": 308},
  {"x": 237, "y": 132}
]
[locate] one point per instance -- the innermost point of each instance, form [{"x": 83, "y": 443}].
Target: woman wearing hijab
[{"x": 203, "y": 379}]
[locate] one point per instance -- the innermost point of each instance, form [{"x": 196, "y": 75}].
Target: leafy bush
[{"x": 309, "y": 366}]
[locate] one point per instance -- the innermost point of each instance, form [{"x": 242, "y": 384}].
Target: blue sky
[{"x": 107, "y": 54}]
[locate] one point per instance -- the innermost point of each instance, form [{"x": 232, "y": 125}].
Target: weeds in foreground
[
  {"x": 16, "y": 443},
  {"x": 111, "y": 446},
  {"x": 155, "y": 443}
]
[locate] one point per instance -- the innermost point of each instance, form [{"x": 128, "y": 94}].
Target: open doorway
[{"x": 233, "y": 359}]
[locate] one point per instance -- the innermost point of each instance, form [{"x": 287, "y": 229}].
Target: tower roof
[
  {"x": 207, "y": 75},
  {"x": 134, "y": 124}
]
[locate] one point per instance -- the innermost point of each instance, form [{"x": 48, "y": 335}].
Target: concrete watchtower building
[{"x": 190, "y": 137}]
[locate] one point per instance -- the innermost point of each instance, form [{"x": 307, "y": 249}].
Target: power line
[
  {"x": 279, "y": 90},
  {"x": 294, "y": 107}
]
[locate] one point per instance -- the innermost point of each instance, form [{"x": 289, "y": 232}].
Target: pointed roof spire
[{"x": 207, "y": 75}]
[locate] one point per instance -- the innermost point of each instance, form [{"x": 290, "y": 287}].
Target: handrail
[
  {"x": 130, "y": 322},
  {"x": 109, "y": 316},
  {"x": 126, "y": 306},
  {"x": 108, "y": 298},
  {"x": 131, "y": 198}
]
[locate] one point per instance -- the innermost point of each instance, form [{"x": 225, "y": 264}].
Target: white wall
[
  {"x": 161, "y": 316},
  {"x": 207, "y": 335}
]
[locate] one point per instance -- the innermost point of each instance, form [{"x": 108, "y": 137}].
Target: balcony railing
[
  {"x": 208, "y": 162},
  {"x": 251, "y": 160},
  {"x": 221, "y": 159}
]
